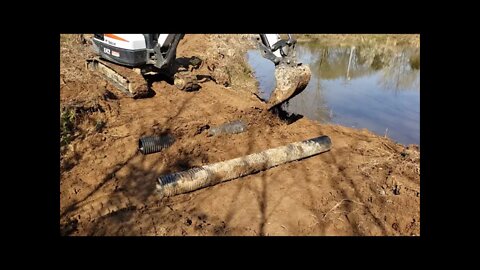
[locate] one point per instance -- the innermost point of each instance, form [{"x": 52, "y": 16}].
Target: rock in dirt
[{"x": 396, "y": 189}]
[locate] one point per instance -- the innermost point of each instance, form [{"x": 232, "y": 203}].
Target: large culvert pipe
[{"x": 208, "y": 175}]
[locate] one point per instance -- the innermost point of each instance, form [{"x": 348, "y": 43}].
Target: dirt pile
[
  {"x": 366, "y": 185},
  {"x": 224, "y": 58}
]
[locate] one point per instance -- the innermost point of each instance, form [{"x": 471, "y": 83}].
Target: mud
[
  {"x": 365, "y": 185},
  {"x": 290, "y": 81}
]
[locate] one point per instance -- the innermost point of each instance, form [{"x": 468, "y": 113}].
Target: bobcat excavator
[{"x": 128, "y": 60}]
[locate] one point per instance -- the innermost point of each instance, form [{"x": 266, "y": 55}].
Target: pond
[{"x": 376, "y": 88}]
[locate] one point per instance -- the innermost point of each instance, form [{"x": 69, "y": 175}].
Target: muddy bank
[{"x": 366, "y": 185}]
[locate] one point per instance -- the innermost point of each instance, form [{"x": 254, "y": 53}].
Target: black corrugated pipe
[{"x": 153, "y": 144}]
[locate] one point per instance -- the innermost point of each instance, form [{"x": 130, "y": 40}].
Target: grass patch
[
  {"x": 100, "y": 125},
  {"x": 415, "y": 62},
  {"x": 68, "y": 120},
  {"x": 67, "y": 38}
]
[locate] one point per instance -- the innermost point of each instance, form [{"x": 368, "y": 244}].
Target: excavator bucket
[{"x": 290, "y": 81}]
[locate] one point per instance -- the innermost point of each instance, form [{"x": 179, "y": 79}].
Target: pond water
[{"x": 376, "y": 88}]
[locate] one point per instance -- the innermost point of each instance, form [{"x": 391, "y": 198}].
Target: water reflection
[
  {"x": 399, "y": 67},
  {"x": 377, "y": 88}
]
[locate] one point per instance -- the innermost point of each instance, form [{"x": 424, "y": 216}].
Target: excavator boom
[{"x": 124, "y": 59}]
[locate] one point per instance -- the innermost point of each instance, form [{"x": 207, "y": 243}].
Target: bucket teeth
[{"x": 290, "y": 81}]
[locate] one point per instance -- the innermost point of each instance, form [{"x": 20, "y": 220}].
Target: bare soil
[{"x": 366, "y": 184}]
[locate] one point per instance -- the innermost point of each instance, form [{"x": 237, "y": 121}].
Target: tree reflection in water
[{"x": 374, "y": 87}]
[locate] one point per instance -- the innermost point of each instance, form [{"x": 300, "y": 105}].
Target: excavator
[{"x": 130, "y": 61}]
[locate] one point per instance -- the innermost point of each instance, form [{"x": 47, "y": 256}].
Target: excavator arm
[
  {"x": 290, "y": 75},
  {"x": 278, "y": 50},
  {"x": 157, "y": 53}
]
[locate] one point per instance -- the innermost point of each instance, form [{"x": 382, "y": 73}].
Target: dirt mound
[{"x": 366, "y": 185}]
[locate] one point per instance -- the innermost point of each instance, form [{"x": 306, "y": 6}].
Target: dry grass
[
  {"x": 362, "y": 39},
  {"x": 340, "y": 203}
]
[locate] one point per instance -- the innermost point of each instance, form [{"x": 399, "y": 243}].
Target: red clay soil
[{"x": 366, "y": 184}]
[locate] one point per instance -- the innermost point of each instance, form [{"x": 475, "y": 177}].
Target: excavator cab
[{"x": 145, "y": 53}]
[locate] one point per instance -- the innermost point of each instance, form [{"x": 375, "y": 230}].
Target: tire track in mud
[{"x": 101, "y": 206}]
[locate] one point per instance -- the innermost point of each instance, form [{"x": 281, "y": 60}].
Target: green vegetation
[
  {"x": 68, "y": 121},
  {"x": 100, "y": 125}
]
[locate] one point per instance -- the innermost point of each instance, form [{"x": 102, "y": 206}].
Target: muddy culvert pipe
[
  {"x": 211, "y": 174},
  {"x": 153, "y": 144}
]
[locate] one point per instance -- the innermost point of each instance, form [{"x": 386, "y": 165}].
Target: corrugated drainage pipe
[
  {"x": 208, "y": 175},
  {"x": 152, "y": 144}
]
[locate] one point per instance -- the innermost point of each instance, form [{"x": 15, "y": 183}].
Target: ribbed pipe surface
[
  {"x": 207, "y": 175},
  {"x": 153, "y": 144},
  {"x": 229, "y": 128}
]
